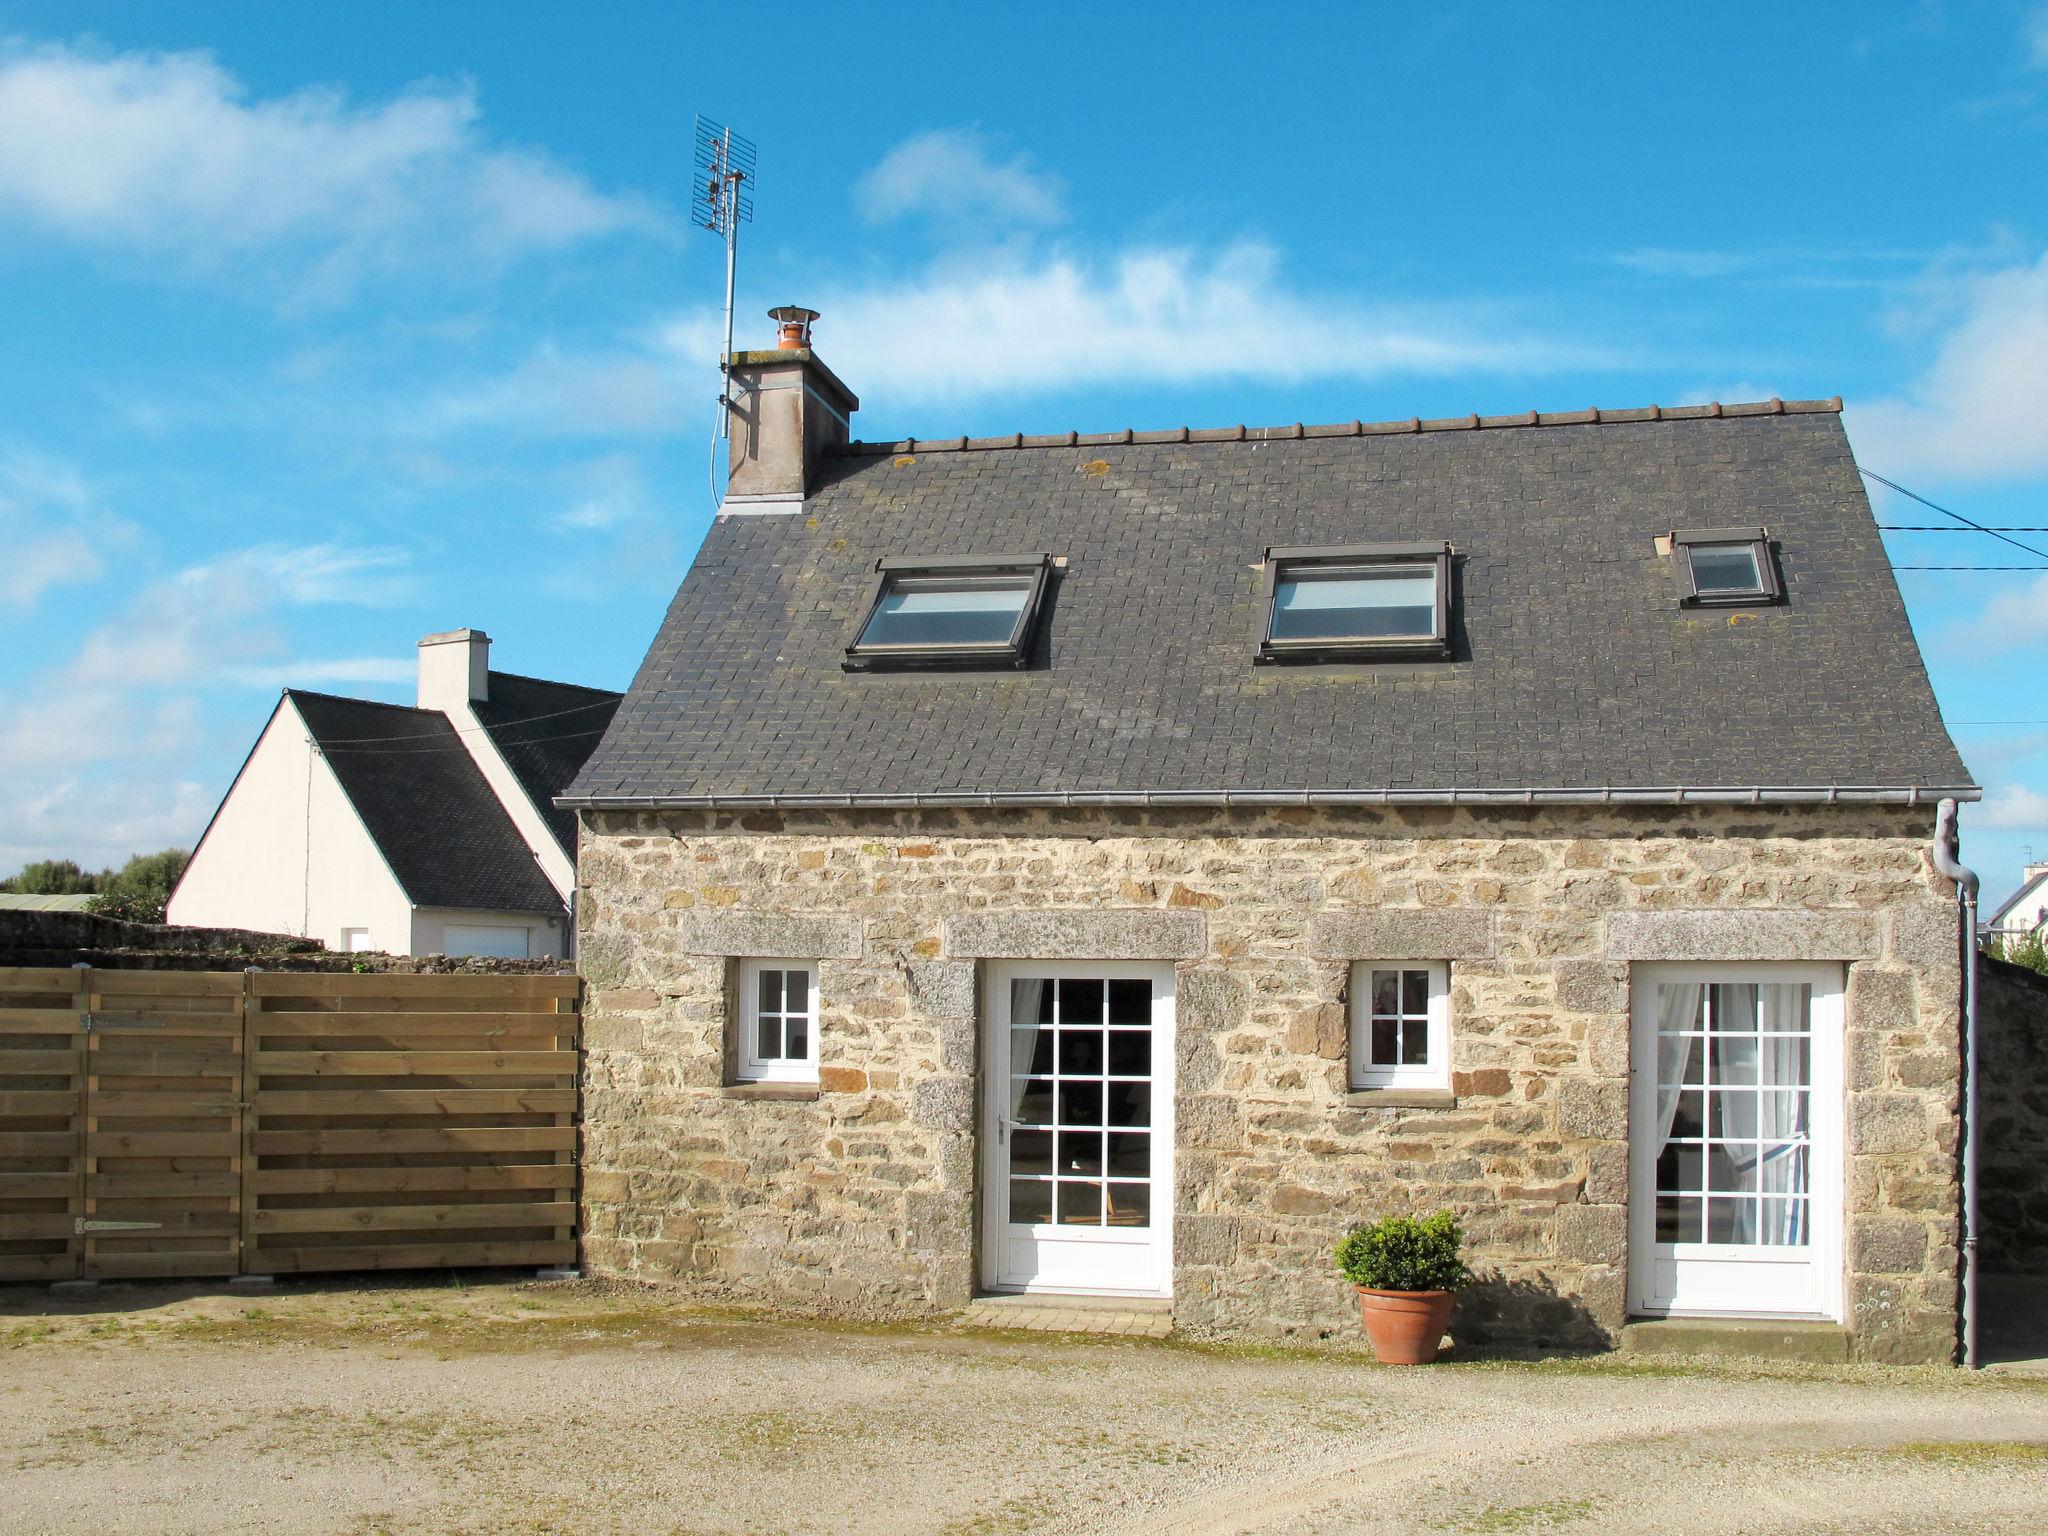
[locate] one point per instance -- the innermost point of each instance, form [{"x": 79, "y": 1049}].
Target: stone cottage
[{"x": 1117, "y": 863}]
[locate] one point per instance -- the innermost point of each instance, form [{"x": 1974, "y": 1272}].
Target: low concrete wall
[{"x": 2012, "y": 1103}]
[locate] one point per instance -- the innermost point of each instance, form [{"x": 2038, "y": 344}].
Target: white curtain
[
  {"x": 1782, "y": 1114},
  {"x": 1678, "y": 1008},
  {"x": 1026, "y": 993}
]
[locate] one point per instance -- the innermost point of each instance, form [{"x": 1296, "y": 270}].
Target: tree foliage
[
  {"x": 2027, "y": 949},
  {"x": 55, "y": 877},
  {"x": 141, "y": 889}
]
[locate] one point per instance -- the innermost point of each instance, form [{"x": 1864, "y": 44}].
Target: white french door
[
  {"x": 1078, "y": 1128},
  {"x": 1735, "y": 1129}
]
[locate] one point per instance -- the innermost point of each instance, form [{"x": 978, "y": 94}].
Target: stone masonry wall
[{"x": 862, "y": 1195}]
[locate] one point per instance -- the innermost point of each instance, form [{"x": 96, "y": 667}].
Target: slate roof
[
  {"x": 1573, "y": 669},
  {"x": 426, "y": 805},
  {"x": 544, "y": 731}
]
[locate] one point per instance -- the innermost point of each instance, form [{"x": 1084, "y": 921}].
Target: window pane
[
  {"x": 1678, "y": 1220},
  {"x": 1130, "y": 1104},
  {"x": 1724, "y": 567},
  {"x": 797, "y": 1037},
  {"x": 1030, "y": 1102},
  {"x": 1080, "y": 1053},
  {"x": 1130, "y": 1002},
  {"x": 1735, "y": 1008},
  {"x": 1355, "y": 602},
  {"x": 1031, "y": 1202},
  {"x": 1031, "y": 1000},
  {"x": 1731, "y": 1221},
  {"x": 771, "y": 991},
  {"x": 1679, "y": 1168},
  {"x": 1734, "y": 1115},
  {"x": 1732, "y": 1170},
  {"x": 1080, "y": 1152},
  {"x": 1130, "y": 1205},
  {"x": 1689, "y": 1119},
  {"x": 1081, "y": 1002},
  {"x": 1130, "y": 1053},
  {"x": 1386, "y": 991},
  {"x": 1080, "y": 1203},
  {"x": 768, "y": 1039},
  {"x": 1386, "y": 1042},
  {"x": 1734, "y": 1060},
  {"x": 1782, "y": 1223},
  {"x": 796, "y": 991},
  {"x": 1031, "y": 1152},
  {"x": 1415, "y": 1044},
  {"x": 1130, "y": 1154},
  {"x": 1080, "y": 1103},
  {"x": 917, "y": 610},
  {"x": 1415, "y": 992}
]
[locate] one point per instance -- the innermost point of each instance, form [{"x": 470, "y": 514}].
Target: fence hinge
[
  {"x": 86, "y": 1224},
  {"x": 92, "y": 1023}
]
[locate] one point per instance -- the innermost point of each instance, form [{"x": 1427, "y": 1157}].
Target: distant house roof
[
  {"x": 426, "y": 805},
  {"x": 15, "y": 901},
  {"x": 2033, "y": 882},
  {"x": 544, "y": 731},
  {"x": 1574, "y": 672}
]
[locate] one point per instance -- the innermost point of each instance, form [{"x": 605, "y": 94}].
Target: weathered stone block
[
  {"x": 1208, "y": 1240},
  {"x": 1887, "y": 1245},
  {"x": 1593, "y": 1109},
  {"x": 1402, "y": 935},
  {"x": 943, "y": 1103},
  {"x": 1769, "y": 934},
  {"x": 942, "y": 989},
  {"x": 1089, "y": 935},
  {"x": 1886, "y": 1122},
  {"x": 1591, "y": 986},
  {"x": 1593, "y": 1234},
  {"x": 795, "y": 935}
]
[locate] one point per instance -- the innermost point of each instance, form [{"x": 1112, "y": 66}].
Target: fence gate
[{"x": 164, "y": 1123}]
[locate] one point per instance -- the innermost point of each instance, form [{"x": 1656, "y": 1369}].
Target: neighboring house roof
[
  {"x": 544, "y": 731},
  {"x": 1574, "y": 668},
  {"x": 15, "y": 901},
  {"x": 2035, "y": 885},
  {"x": 426, "y": 805}
]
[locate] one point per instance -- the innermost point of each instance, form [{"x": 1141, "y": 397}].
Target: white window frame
[
  {"x": 1436, "y": 1071},
  {"x": 749, "y": 1066}
]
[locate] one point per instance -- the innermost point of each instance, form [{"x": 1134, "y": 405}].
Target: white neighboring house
[
  {"x": 2025, "y": 909},
  {"x": 411, "y": 830}
]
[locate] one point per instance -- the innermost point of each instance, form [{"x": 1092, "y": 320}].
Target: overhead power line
[
  {"x": 1871, "y": 474},
  {"x": 496, "y": 725}
]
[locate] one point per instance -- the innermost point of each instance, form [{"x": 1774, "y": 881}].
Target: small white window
[
  {"x": 778, "y": 1021},
  {"x": 1401, "y": 1024},
  {"x": 355, "y": 940}
]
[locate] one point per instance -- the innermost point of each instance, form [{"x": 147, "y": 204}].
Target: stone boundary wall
[
  {"x": 32, "y": 939},
  {"x": 861, "y": 1195},
  {"x": 2012, "y": 1108}
]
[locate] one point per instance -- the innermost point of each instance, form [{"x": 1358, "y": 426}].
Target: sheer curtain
[
  {"x": 1678, "y": 1008},
  {"x": 1782, "y": 1113},
  {"x": 1026, "y": 993}
]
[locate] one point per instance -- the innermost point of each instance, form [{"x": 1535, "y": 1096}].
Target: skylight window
[
  {"x": 1725, "y": 567},
  {"x": 971, "y": 611},
  {"x": 1362, "y": 600}
]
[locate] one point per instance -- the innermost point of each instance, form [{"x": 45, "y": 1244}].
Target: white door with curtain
[
  {"x": 1735, "y": 1160},
  {"x": 1077, "y": 1128}
]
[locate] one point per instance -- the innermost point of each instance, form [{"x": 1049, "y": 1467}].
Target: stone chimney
[
  {"x": 786, "y": 409},
  {"x": 455, "y": 669}
]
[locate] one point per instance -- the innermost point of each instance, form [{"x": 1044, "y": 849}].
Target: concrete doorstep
[
  {"x": 1738, "y": 1338},
  {"x": 1110, "y": 1316}
]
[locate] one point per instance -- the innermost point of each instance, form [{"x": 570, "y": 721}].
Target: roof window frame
[
  {"x": 1769, "y": 590},
  {"x": 1280, "y": 559},
  {"x": 1012, "y": 652}
]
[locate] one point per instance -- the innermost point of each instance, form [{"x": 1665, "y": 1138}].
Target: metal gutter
[
  {"x": 1829, "y": 794},
  {"x": 1945, "y": 849}
]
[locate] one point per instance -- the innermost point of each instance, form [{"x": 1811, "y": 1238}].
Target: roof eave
[{"x": 1721, "y": 794}]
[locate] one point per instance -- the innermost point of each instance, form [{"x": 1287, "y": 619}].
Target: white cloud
[
  {"x": 312, "y": 672},
  {"x": 1036, "y": 325},
  {"x": 951, "y": 174},
  {"x": 567, "y": 394},
  {"x": 1977, "y": 412},
  {"x": 2012, "y": 807},
  {"x": 169, "y": 154},
  {"x": 2012, "y": 618},
  {"x": 53, "y": 527}
]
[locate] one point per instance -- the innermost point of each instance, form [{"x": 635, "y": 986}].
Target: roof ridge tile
[{"x": 1592, "y": 416}]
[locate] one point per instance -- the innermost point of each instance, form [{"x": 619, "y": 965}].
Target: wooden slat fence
[{"x": 176, "y": 1123}]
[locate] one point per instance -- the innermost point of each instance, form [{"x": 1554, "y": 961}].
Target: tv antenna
[{"x": 720, "y": 202}]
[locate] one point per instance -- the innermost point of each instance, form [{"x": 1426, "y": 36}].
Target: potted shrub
[{"x": 1405, "y": 1271}]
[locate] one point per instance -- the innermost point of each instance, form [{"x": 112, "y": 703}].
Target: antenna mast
[{"x": 719, "y": 202}]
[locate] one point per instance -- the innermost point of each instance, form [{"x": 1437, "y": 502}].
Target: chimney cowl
[{"x": 793, "y": 326}]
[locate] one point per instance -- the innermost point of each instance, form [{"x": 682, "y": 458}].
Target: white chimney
[{"x": 455, "y": 669}]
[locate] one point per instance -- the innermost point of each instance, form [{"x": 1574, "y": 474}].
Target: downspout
[{"x": 1946, "y": 864}]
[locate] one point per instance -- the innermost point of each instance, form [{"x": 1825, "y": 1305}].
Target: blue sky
[{"x": 330, "y": 326}]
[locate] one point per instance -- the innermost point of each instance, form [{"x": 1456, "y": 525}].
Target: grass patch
[
  {"x": 1499, "y": 1519},
  {"x": 1979, "y": 1454}
]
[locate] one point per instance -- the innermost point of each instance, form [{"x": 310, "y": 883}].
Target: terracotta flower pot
[{"x": 1406, "y": 1327}]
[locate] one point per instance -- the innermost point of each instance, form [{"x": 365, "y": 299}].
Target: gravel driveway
[{"x": 528, "y": 1408}]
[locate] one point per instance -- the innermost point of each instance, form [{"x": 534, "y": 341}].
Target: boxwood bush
[{"x": 1399, "y": 1253}]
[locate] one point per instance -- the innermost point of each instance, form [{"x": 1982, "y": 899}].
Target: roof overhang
[{"x": 1828, "y": 794}]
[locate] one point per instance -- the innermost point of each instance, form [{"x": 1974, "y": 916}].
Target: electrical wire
[
  {"x": 471, "y": 730},
  {"x": 1871, "y": 474},
  {"x": 1970, "y": 567},
  {"x": 524, "y": 741},
  {"x": 1945, "y": 528}
]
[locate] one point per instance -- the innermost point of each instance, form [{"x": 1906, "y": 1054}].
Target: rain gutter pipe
[{"x": 1947, "y": 865}]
